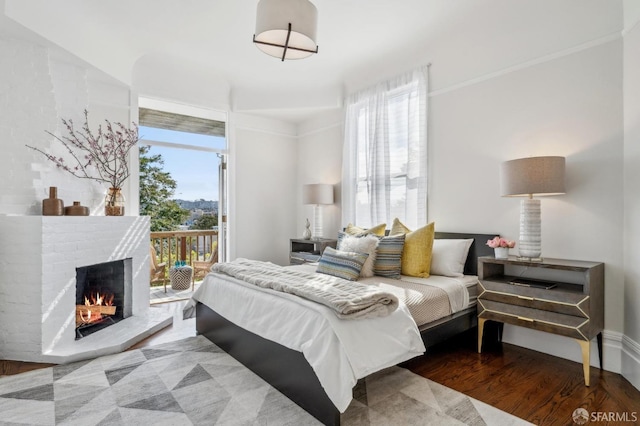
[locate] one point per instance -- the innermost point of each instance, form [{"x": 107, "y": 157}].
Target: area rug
[
  {"x": 193, "y": 382},
  {"x": 157, "y": 294}
]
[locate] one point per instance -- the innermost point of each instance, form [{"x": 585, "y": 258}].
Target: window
[{"x": 385, "y": 153}]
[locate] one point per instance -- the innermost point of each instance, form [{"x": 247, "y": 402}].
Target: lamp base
[
  {"x": 317, "y": 222},
  {"x": 530, "y": 229}
]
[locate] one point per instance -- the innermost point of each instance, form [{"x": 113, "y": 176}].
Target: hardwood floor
[{"x": 539, "y": 388}]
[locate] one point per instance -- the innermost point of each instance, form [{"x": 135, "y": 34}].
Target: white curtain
[{"x": 384, "y": 173}]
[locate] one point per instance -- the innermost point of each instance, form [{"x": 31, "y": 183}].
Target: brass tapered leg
[
  {"x": 481, "y": 322},
  {"x": 585, "y": 345}
]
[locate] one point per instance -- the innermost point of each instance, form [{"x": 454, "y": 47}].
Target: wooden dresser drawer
[
  {"x": 564, "y": 302},
  {"x": 559, "y": 296},
  {"x": 551, "y": 322}
]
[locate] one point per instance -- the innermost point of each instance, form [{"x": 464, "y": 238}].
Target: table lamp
[
  {"x": 529, "y": 177},
  {"x": 317, "y": 194}
]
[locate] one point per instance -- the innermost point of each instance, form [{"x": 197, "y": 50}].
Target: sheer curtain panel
[{"x": 385, "y": 153}]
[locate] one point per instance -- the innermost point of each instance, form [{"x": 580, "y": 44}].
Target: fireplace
[
  {"x": 103, "y": 295},
  {"x": 37, "y": 312}
]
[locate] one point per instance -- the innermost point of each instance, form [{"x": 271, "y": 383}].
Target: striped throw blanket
[{"x": 349, "y": 300}]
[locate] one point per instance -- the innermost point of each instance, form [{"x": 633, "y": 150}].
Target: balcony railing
[{"x": 187, "y": 246}]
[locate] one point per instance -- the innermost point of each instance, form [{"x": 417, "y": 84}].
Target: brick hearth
[{"x": 38, "y": 260}]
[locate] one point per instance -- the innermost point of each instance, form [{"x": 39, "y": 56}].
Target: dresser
[
  {"x": 564, "y": 297},
  {"x": 305, "y": 251}
]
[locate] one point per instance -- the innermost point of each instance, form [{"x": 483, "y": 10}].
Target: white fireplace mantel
[{"x": 38, "y": 260}]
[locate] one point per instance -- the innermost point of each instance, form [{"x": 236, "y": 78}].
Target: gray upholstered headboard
[{"x": 478, "y": 248}]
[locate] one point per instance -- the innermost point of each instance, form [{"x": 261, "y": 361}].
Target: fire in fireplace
[{"x": 103, "y": 295}]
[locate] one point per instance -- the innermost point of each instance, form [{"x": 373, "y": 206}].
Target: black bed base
[
  {"x": 443, "y": 329},
  {"x": 288, "y": 370},
  {"x": 297, "y": 380}
]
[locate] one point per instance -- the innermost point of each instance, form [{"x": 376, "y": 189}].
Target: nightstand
[
  {"x": 530, "y": 294},
  {"x": 306, "y": 251}
]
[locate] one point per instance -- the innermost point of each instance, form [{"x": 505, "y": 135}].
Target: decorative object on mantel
[
  {"x": 526, "y": 177},
  {"x": 114, "y": 202},
  {"x": 306, "y": 235},
  {"x": 286, "y": 29},
  {"x": 501, "y": 247},
  {"x": 101, "y": 156},
  {"x": 76, "y": 210},
  {"x": 52, "y": 206}
]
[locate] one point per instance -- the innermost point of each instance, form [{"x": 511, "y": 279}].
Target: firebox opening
[{"x": 103, "y": 295}]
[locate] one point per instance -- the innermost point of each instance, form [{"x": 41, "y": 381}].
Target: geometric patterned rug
[{"x": 193, "y": 382}]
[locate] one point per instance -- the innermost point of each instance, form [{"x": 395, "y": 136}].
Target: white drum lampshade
[
  {"x": 317, "y": 194},
  {"x": 286, "y": 29},
  {"x": 529, "y": 177}
]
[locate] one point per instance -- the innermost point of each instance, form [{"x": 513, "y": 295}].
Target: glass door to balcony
[{"x": 183, "y": 188}]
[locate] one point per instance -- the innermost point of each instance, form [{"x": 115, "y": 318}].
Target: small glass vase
[
  {"x": 501, "y": 252},
  {"x": 114, "y": 202}
]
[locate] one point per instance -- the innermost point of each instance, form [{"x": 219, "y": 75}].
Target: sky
[{"x": 196, "y": 172}]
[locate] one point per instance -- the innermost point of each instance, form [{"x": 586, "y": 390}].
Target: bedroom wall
[
  {"x": 263, "y": 181},
  {"x": 319, "y": 159},
  {"x": 40, "y": 85},
  {"x": 557, "y": 100},
  {"x": 569, "y": 106},
  {"x": 631, "y": 338}
]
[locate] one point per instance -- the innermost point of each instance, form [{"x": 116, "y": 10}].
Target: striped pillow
[
  {"x": 389, "y": 257},
  {"x": 342, "y": 264}
]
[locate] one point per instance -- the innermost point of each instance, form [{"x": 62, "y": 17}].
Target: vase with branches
[{"x": 100, "y": 155}]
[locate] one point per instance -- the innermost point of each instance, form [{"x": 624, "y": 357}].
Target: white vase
[
  {"x": 501, "y": 252},
  {"x": 306, "y": 235}
]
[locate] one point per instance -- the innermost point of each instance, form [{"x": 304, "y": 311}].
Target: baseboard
[
  {"x": 567, "y": 348},
  {"x": 631, "y": 361}
]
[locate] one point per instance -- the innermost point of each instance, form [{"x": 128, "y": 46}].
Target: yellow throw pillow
[
  {"x": 359, "y": 232},
  {"x": 418, "y": 246},
  {"x": 398, "y": 228}
]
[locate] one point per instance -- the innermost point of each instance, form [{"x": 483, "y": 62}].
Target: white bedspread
[{"x": 340, "y": 352}]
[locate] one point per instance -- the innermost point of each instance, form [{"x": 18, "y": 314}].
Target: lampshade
[
  {"x": 286, "y": 29},
  {"x": 317, "y": 193},
  {"x": 532, "y": 176},
  {"x": 529, "y": 177}
]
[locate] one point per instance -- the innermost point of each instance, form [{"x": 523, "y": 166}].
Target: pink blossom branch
[{"x": 100, "y": 156}]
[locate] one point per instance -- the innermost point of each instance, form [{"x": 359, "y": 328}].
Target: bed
[{"x": 291, "y": 373}]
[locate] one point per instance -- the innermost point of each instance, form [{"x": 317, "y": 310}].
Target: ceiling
[{"x": 360, "y": 41}]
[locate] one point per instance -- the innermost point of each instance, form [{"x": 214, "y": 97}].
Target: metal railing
[{"x": 187, "y": 246}]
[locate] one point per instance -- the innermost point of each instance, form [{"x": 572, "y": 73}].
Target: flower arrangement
[
  {"x": 498, "y": 242},
  {"x": 101, "y": 156}
]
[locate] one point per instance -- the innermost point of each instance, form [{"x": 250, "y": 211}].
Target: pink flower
[{"x": 501, "y": 242}]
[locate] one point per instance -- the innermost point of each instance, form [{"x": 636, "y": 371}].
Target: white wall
[
  {"x": 569, "y": 106},
  {"x": 40, "y": 86},
  {"x": 566, "y": 102},
  {"x": 320, "y": 161},
  {"x": 263, "y": 187},
  {"x": 630, "y": 346}
]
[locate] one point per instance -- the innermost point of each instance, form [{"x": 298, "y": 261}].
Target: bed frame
[{"x": 288, "y": 371}]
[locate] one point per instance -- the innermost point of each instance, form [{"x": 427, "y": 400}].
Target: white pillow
[
  {"x": 449, "y": 256},
  {"x": 366, "y": 244}
]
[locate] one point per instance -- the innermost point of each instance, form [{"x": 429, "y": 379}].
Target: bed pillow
[
  {"x": 388, "y": 261},
  {"x": 449, "y": 256},
  {"x": 366, "y": 244},
  {"x": 341, "y": 264},
  {"x": 357, "y": 231},
  {"x": 416, "y": 255}
]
